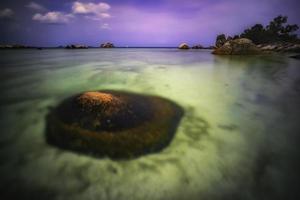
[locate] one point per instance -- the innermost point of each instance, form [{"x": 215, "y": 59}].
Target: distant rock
[
  {"x": 183, "y": 46},
  {"x": 107, "y": 45},
  {"x": 76, "y": 46},
  {"x": 6, "y": 46},
  {"x": 199, "y": 46},
  {"x": 15, "y": 46},
  {"x": 242, "y": 46}
]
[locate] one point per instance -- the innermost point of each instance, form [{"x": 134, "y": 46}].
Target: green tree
[
  {"x": 256, "y": 33},
  {"x": 275, "y": 31},
  {"x": 221, "y": 39}
]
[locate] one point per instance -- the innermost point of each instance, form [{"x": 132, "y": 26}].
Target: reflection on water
[{"x": 238, "y": 138}]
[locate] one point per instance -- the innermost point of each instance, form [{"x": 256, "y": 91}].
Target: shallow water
[{"x": 238, "y": 138}]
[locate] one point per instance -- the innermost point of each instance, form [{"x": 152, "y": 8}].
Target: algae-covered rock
[{"x": 114, "y": 124}]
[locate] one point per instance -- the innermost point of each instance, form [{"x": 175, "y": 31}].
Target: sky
[{"x": 134, "y": 22}]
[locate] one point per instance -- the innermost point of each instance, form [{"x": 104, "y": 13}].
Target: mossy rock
[{"x": 113, "y": 123}]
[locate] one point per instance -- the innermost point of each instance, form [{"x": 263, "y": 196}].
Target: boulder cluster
[
  {"x": 244, "y": 46},
  {"x": 241, "y": 46},
  {"x": 198, "y": 46}
]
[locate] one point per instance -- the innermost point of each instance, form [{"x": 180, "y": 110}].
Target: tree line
[{"x": 276, "y": 31}]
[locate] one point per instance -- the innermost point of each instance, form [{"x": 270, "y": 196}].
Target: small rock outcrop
[
  {"x": 280, "y": 47},
  {"x": 107, "y": 45},
  {"x": 242, "y": 46},
  {"x": 76, "y": 46},
  {"x": 113, "y": 123},
  {"x": 15, "y": 46},
  {"x": 183, "y": 46},
  {"x": 199, "y": 46}
]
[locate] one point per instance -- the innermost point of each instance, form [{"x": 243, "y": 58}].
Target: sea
[{"x": 239, "y": 137}]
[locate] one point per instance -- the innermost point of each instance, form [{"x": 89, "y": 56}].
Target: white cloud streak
[
  {"x": 35, "y": 6},
  {"x": 89, "y": 8},
  {"x": 53, "y": 17},
  {"x": 95, "y": 11}
]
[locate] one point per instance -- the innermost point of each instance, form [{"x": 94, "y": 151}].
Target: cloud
[
  {"x": 53, "y": 17},
  {"x": 35, "y": 6},
  {"x": 98, "y": 17},
  {"x": 6, "y": 13},
  {"x": 105, "y": 15},
  {"x": 95, "y": 11},
  {"x": 89, "y": 8},
  {"x": 105, "y": 26}
]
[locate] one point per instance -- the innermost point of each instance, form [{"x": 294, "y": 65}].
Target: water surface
[{"x": 239, "y": 138}]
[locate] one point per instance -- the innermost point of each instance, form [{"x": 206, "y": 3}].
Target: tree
[
  {"x": 275, "y": 31},
  {"x": 221, "y": 39},
  {"x": 256, "y": 33}
]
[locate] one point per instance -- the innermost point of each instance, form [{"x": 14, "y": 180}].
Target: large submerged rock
[
  {"x": 114, "y": 124},
  {"x": 241, "y": 46}
]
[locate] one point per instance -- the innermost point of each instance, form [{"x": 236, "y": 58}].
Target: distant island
[
  {"x": 277, "y": 36},
  {"x": 70, "y": 46}
]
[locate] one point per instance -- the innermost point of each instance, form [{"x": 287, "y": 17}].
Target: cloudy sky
[{"x": 134, "y": 22}]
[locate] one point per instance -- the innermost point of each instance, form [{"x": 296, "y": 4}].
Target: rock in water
[
  {"x": 183, "y": 46},
  {"x": 76, "y": 46},
  {"x": 242, "y": 46},
  {"x": 114, "y": 124},
  {"x": 199, "y": 46},
  {"x": 107, "y": 45}
]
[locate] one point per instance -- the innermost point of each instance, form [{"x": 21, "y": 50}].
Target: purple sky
[{"x": 134, "y": 22}]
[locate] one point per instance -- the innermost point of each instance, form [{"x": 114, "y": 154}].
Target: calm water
[{"x": 239, "y": 137}]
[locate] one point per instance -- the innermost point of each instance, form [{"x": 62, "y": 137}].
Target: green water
[{"x": 238, "y": 139}]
